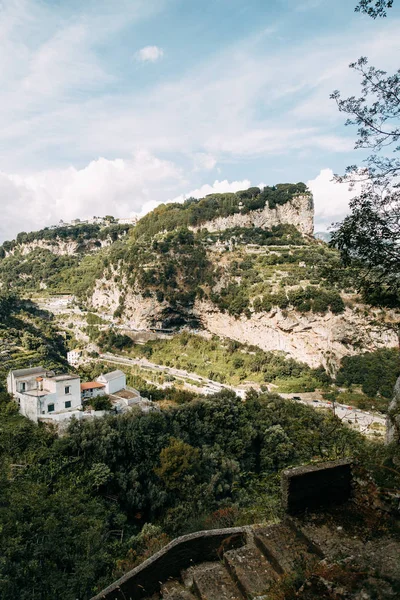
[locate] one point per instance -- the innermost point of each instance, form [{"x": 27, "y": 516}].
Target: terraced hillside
[{"x": 229, "y": 264}]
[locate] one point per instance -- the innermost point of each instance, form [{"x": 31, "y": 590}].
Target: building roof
[
  {"x": 90, "y": 385},
  {"x": 112, "y": 375},
  {"x": 65, "y": 377},
  {"x": 30, "y": 371}
]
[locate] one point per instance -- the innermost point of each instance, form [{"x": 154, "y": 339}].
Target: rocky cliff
[
  {"x": 310, "y": 338},
  {"x": 298, "y": 212},
  {"x": 60, "y": 247}
]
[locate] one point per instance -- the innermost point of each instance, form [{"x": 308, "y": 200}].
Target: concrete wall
[
  {"x": 180, "y": 554},
  {"x": 115, "y": 385},
  {"x": 316, "y": 486},
  {"x": 14, "y": 383},
  {"x": 28, "y": 406},
  {"x": 74, "y": 395}
]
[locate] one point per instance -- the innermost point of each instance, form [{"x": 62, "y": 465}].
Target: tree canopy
[{"x": 374, "y": 8}]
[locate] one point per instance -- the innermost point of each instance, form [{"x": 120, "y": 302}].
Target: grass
[
  {"x": 305, "y": 383},
  {"x": 225, "y": 361},
  {"x": 363, "y": 402}
]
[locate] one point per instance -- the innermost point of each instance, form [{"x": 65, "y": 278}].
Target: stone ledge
[
  {"x": 316, "y": 486},
  {"x": 179, "y": 554}
]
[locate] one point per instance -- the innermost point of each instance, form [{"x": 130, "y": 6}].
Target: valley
[{"x": 250, "y": 340}]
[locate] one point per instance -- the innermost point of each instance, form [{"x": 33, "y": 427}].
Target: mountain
[{"x": 243, "y": 266}]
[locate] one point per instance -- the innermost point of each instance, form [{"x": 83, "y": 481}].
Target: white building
[
  {"x": 92, "y": 389},
  {"x": 42, "y": 395},
  {"x": 73, "y": 357},
  {"x": 114, "y": 381},
  {"x": 128, "y": 221}
]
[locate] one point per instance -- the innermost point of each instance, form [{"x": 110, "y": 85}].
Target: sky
[{"x": 113, "y": 106}]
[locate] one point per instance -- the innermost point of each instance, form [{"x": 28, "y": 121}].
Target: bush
[
  {"x": 376, "y": 372},
  {"x": 101, "y": 403}
]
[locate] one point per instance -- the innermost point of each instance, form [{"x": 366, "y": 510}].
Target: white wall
[
  {"x": 14, "y": 384},
  {"x": 28, "y": 406},
  {"x": 86, "y": 394},
  {"x": 115, "y": 385},
  {"x": 73, "y": 396}
]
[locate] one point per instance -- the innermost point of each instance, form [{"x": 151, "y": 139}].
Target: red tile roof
[{"x": 90, "y": 385}]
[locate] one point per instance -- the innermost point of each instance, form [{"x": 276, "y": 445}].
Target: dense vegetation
[
  {"x": 192, "y": 212},
  {"x": 78, "y": 511},
  {"x": 227, "y": 361},
  {"x": 376, "y": 372},
  {"x": 81, "y": 234},
  {"x": 164, "y": 260},
  {"x": 28, "y": 335},
  {"x": 41, "y": 268}
]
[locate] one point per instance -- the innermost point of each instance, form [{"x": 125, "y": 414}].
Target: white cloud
[
  {"x": 203, "y": 161},
  {"x": 218, "y": 187},
  {"x": 331, "y": 199},
  {"x": 149, "y": 54},
  {"x": 118, "y": 187}
]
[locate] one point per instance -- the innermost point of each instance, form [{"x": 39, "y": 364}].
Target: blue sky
[{"x": 112, "y": 106}]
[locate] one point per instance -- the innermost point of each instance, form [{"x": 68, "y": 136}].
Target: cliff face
[
  {"x": 60, "y": 247},
  {"x": 298, "y": 212},
  {"x": 310, "y": 338}
]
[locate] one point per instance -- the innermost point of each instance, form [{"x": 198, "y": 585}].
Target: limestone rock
[{"x": 393, "y": 418}]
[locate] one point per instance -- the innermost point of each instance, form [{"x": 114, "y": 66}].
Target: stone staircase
[{"x": 248, "y": 572}]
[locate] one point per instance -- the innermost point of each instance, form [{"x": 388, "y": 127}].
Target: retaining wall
[
  {"x": 316, "y": 486},
  {"x": 168, "y": 563}
]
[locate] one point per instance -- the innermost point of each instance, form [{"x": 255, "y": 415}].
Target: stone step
[
  {"x": 251, "y": 571},
  {"x": 212, "y": 581},
  {"x": 174, "y": 590},
  {"x": 286, "y": 548}
]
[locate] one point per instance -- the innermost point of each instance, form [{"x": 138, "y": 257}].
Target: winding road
[{"x": 363, "y": 421}]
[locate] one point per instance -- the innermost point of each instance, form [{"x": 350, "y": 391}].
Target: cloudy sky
[{"x": 112, "y": 106}]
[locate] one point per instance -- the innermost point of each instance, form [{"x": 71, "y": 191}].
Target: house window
[
  {"x": 68, "y": 404},
  {"x": 50, "y": 408},
  {"x": 67, "y": 389},
  {"x": 23, "y": 386}
]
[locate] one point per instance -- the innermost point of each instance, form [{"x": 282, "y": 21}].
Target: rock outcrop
[
  {"x": 60, "y": 247},
  {"x": 310, "y": 338},
  {"x": 393, "y": 417},
  {"x": 298, "y": 212}
]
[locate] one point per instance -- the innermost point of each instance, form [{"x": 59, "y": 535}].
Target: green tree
[{"x": 374, "y": 8}]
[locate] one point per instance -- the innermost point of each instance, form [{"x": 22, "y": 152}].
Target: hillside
[
  {"x": 28, "y": 336},
  {"x": 81, "y": 510},
  {"x": 205, "y": 264}
]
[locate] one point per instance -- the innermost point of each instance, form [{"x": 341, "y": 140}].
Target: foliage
[
  {"x": 101, "y": 403},
  {"x": 81, "y": 234},
  {"x": 368, "y": 236},
  {"x": 227, "y": 361},
  {"x": 233, "y": 300},
  {"x": 110, "y": 340},
  {"x": 41, "y": 268},
  {"x": 374, "y": 8},
  {"x": 78, "y": 511},
  {"x": 192, "y": 212},
  {"x": 376, "y": 372},
  {"x": 28, "y": 335},
  {"x": 278, "y": 235}
]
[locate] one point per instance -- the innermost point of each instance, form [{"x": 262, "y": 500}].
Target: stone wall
[
  {"x": 180, "y": 554},
  {"x": 316, "y": 486}
]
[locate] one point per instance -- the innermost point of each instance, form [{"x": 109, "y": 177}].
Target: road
[{"x": 363, "y": 421}]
